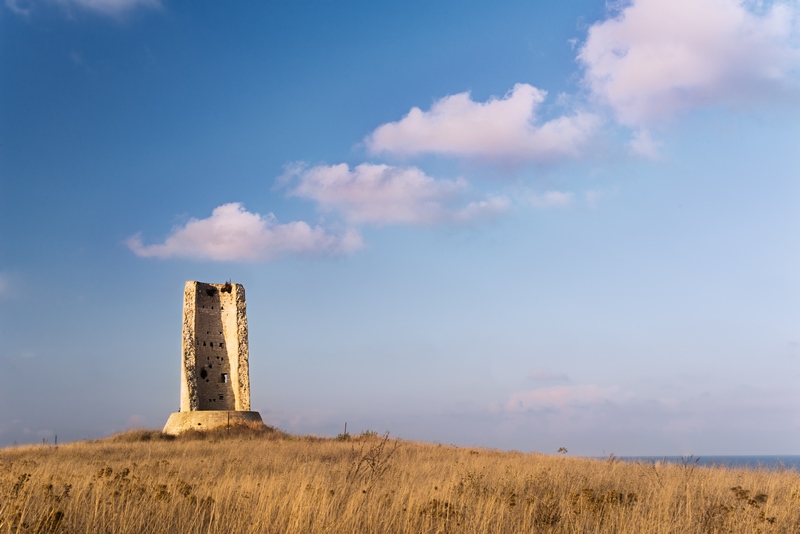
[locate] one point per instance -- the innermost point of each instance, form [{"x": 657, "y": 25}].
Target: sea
[{"x": 751, "y": 462}]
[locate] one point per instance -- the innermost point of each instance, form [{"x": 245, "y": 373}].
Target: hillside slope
[{"x": 267, "y": 481}]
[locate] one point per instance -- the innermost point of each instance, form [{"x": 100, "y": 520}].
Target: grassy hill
[{"x": 243, "y": 480}]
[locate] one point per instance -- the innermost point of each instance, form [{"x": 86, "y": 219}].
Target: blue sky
[{"x": 522, "y": 225}]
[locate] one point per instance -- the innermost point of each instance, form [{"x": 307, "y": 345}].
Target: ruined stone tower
[{"x": 215, "y": 377}]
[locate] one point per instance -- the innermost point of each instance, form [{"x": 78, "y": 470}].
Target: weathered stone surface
[
  {"x": 180, "y": 422},
  {"x": 215, "y": 370}
]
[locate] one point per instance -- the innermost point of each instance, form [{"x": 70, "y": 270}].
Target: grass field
[{"x": 243, "y": 480}]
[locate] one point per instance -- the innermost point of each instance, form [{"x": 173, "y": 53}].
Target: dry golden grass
[{"x": 266, "y": 481}]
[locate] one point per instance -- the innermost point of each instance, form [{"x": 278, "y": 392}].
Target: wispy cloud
[
  {"x": 383, "y": 194},
  {"x": 653, "y": 59},
  {"x": 643, "y": 144},
  {"x": 232, "y": 233},
  {"x": 499, "y": 129},
  {"x": 20, "y": 7},
  {"x": 112, "y": 8},
  {"x": 551, "y": 199},
  {"x": 561, "y": 398},
  {"x": 544, "y": 375},
  {"x": 109, "y": 8}
]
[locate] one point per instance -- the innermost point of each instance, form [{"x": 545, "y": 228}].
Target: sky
[{"x": 515, "y": 224}]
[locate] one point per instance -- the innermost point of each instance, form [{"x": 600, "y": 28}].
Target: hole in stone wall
[
  {"x": 203, "y": 373},
  {"x": 212, "y": 343},
  {"x": 224, "y": 378},
  {"x": 211, "y": 291},
  {"x": 221, "y": 397},
  {"x": 221, "y": 345},
  {"x": 204, "y": 343},
  {"x": 227, "y": 287}
]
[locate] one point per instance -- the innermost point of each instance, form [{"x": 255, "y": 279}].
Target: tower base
[{"x": 180, "y": 422}]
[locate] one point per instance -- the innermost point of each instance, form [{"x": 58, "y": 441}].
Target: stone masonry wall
[{"x": 215, "y": 374}]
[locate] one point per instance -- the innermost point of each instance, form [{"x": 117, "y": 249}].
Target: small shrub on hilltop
[{"x": 140, "y": 434}]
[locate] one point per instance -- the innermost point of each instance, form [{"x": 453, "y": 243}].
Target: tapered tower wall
[{"x": 215, "y": 364}]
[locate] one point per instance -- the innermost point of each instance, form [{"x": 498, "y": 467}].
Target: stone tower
[{"x": 215, "y": 377}]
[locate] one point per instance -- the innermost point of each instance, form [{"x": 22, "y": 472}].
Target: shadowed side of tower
[{"x": 215, "y": 375}]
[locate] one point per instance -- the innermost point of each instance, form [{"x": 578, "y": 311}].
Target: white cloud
[
  {"x": 656, "y": 58},
  {"x": 561, "y": 398},
  {"x": 501, "y": 128},
  {"x": 551, "y": 199},
  {"x": 112, "y": 7},
  {"x": 482, "y": 209},
  {"x": 234, "y": 234},
  {"x": 383, "y": 194}
]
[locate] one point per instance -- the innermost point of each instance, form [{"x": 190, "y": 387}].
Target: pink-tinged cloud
[
  {"x": 232, "y": 233},
  {"x": 657, "y": 58},
  {"x": 383, "y": 194},
  {"x": 561, "y": 398},
  {"x": 499, "y": 129}
]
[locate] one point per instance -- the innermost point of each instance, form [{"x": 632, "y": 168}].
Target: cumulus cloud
[
  {"x": 232, "y": 233},
  {"x": 559, "y": 398},
  {"x": 383, "y": 194},
  {"x": 656, "y": 58},
  {"x": 501, "y": 128}
]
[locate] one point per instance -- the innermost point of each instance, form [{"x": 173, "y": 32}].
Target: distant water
[{"x": 752, "y": 462}]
